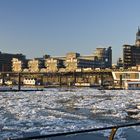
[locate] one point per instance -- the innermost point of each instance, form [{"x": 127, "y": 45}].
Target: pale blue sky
[{"x": 55, "y": 27}]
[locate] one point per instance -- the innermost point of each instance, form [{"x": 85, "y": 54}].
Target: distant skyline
[{"x": 55, "y": 27}]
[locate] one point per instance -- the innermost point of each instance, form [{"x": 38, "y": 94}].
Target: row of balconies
[{"x": 52, "y": 64}]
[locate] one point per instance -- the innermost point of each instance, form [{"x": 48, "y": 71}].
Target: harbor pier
[{"x": 56, "y": 79}]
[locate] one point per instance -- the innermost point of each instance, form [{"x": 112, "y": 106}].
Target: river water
[{"x": 57, "y": 110}]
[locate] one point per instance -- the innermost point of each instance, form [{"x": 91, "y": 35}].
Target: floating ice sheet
[{"x": 62, "y": 110}]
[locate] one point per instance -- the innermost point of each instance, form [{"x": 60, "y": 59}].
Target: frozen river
[{"x": 62, "y": 110}]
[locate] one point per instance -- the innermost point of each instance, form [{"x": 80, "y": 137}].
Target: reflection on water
[{"x": 62, "y": 110}]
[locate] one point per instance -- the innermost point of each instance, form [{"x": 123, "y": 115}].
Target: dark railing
[{"x": 111, "y": 137}]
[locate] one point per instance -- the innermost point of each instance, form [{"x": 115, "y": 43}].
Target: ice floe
[{"x": 63, "y": 110}]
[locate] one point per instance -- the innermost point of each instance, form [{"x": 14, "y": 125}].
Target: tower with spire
[{"x": 137, "y": 43}]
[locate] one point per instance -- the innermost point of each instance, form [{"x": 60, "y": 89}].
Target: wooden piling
[{"x": 19, "y": 81}]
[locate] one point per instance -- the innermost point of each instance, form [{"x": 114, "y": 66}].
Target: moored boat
[
  {"x": 86, "y": 84},
  {"x": 135, "y": 85}
]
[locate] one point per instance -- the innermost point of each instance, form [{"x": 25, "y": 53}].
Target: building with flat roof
[
  {"x": 131, "y": 53},
  {"x": 19, "y": 65},
  {"x": 103, "y": 57},
  {"x": 119, "y": 63},
  {"x": 6, "y": 60},
  {"x": 53, "y": 64},
  {"x": 74, "y": 61},
  {"x": 35, "y": 64}
]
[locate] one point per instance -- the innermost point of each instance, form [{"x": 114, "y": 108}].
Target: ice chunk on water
[{"x": 62, "y": 110}]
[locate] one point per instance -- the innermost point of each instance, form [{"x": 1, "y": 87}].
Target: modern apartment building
[
  {"x": 119, "y": 63},
  {"x": 53, "y": 64},
  {"x": 131, "y": 53},
  {"x": 74, "y": 61},
  {"x": 19, "y": 65},
  {"x": 103, "y": 57},
  {"x": 6, "y": 60},
  {"x": 35, "y": 64},
  {"x": 16, "y": 65}
]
